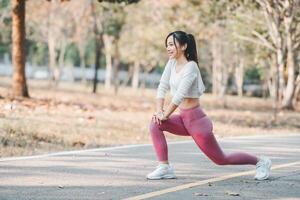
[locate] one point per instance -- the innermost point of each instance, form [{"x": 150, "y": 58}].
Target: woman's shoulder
[{"x": 192, "y": 66}]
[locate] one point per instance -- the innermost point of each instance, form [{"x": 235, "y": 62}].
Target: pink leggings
[{"x": 193, "y": 122}]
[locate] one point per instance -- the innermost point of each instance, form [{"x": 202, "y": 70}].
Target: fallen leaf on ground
[
  {"x": 200, "y": 194},
  {"x": 232, "y": 193}
]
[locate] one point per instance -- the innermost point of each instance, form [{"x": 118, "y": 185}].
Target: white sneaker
[
  {"x": 263, "y": 168},
  {"x": 162, "y": 171}
]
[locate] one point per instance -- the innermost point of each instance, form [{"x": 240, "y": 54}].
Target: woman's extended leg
[
  {"x": 201, "y": 131},
  {"x": 173, "y": 125}
]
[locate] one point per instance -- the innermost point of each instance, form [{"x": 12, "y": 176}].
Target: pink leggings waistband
[{"x": 192, "y": 113}]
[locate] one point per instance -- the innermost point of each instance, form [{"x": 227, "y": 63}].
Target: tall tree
[
  {"x": 282, "y": 39},
  {"x": 51, "y": 22},
  {"x": 98, "y": 47},
  {"x": 18, "y": 51},
  {"x": 277, "y": 29},
  {"x": 112, "y": 26},
  {"x": 82, "y": 16},
  {"x": 290, "y": 28},
  {"x": 215, "y": 14},
  {"x": 109, "y": 18}
]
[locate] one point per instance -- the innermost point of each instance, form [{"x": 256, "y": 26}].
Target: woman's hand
[
  {"x": 162, "y": 117},
  {"x": 158, "y": 117}
]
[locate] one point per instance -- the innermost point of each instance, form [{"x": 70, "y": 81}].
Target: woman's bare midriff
[{"x": 189, "y": 103}]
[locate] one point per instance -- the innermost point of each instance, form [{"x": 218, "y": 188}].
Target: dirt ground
[{"x": 71, "y": 117}]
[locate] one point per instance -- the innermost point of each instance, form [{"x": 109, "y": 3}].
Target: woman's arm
[
  {"x": 171, "y": 108},
  {"x": 164, "y": 81},
  {"x": 159, "y": 110},
  {"x": 160, "y": 105},
  {"x": 161, "y": 92},
  {"x": 165, "y": 115}
]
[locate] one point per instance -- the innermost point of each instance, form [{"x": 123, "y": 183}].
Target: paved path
[{"x": 119, "y": 173}]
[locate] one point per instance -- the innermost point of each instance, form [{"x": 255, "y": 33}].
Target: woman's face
[{"x": 171, "y": 48}]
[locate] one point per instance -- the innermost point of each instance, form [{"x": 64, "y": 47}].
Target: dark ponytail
[
  {"x": 184, "y": 38},
  {"x": 191, "y": 50}
]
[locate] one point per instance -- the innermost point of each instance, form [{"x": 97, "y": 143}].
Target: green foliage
[
  {"x": 139, "y": 39},
  {"x": 4, "y": 3},
  {"x": 5, "y": 21},
  {"x": 253, "y": 75},
  {"x": 72, "y": 54},
  {"x": 90, "y": 52},
  {"x": 4, "y": 48},
  {"x": 37, "y": 52},
  {"x": 5, "y": 28},
  {"x": 113, "y": 18}
]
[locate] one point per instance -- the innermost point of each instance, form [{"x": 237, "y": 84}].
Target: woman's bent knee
[{"x": 153, "y": 126}]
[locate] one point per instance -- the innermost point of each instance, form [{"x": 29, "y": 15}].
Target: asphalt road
[{"x": 119, "y": 173}]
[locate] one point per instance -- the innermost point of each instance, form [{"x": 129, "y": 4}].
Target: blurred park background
[{"x": 78, "y": 74}]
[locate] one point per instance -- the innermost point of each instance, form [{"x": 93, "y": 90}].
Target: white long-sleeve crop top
[{"x": 187, "y": 83}]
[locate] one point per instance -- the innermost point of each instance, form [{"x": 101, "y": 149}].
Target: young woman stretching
[{"x": 183, "y": 77}]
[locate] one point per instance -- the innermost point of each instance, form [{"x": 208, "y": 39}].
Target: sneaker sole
[
  {"x": 263, "y": 178},
  {"x": 162, "y": 177}
]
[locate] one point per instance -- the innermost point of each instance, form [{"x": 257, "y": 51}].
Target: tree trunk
[
  {"x": 273, "y": 19},
  {"x": 107, "y": 40},
  {"x": 297, "y": 90},
  {"x": 129, "y": 76},
  {"x": 53, "y": 68},
  {"x": 135, "y": 78},
  {"x": 239, "y": 77},
  {"x": 97, "y": 65},
  {"x": 99, "y": 39},
  {"x": 116, "y": 67},
  {"x": 287, "y": 102},
  {"x": 18, "y": 51},
  {"x": 223, "y": 86},
  {"x": 143, "y": 81},
  {"x": 239, "y": 69},
  {"x": 216, "y": 63},
  {"x": 61, "y": 60},
  {"x": 52, "y": 55},
  {"x": 276, "y": 92},
  {"x": 273, "y": 84},
  {"x": 280, "y": 67},
  {"x": 82, "y": 62},
  {"x": 220, "y": 72}
]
